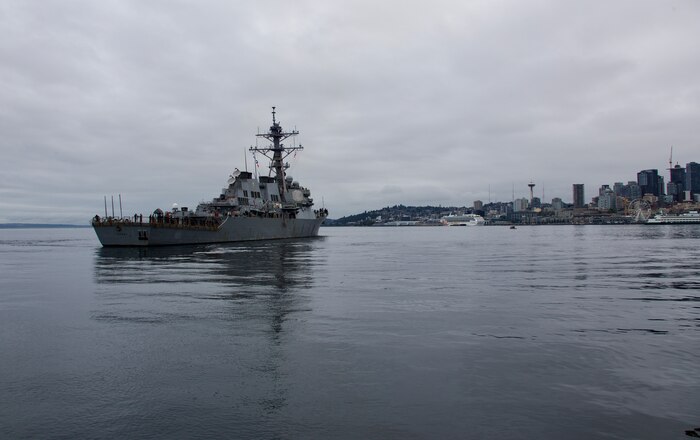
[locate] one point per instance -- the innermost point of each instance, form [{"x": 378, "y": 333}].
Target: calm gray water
[{"x": 570, "y": 332}]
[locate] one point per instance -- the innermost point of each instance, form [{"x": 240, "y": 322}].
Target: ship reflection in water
[
  {"x": 214, "y": 318},
  {"x": 250, "y": 272}
]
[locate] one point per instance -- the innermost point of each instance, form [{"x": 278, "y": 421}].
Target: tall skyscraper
[
  {"x": 632, "y": 190},
  {"x": 678, "y": 174},
  {"x": 619, "y": 188},
  {"x": 578, "y": 195},
  {"x": 648, "y": 180},
  {"x": 692, "y": 177},
  {"x": 676, "y": 186}
]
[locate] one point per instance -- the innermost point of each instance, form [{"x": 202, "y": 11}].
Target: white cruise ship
[
  {"x": 670, "y": 219},
  {"x": 463, "y": 220}
]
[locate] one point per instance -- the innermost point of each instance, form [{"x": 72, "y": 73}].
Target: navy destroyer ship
[{"x": 249, "y": 208}]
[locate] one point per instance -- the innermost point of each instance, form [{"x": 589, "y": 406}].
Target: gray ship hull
[{"x": 231, "y": 230}]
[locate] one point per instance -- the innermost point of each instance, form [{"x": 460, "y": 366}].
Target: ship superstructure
[{"x": 249, "y": 208}]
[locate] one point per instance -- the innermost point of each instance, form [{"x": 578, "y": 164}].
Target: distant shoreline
[{"x": 39, "y": 226}]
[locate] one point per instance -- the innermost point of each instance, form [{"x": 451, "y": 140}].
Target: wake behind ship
[{"x": 250, "y": 208}]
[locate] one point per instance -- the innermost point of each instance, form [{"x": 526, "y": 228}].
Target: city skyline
[
  {"x": 585, "y": 200},
  {"x": 439, "y": 103},
  {"x": 524, "y": 189}
]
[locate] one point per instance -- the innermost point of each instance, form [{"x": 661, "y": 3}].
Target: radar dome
[{"x": 297, "y": 195}]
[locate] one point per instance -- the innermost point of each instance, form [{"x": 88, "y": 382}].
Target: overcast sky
[{"x": 396, "y": 101}]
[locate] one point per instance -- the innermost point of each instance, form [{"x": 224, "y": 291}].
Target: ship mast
[{"x": 277, "y": 152}]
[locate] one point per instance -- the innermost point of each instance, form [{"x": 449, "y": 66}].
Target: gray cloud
[{"x": 396, "y": 102}]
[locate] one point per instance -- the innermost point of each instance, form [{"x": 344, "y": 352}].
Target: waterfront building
[
  {"x": 478, "y": 205},
  {"x": 578, "y": 195}
]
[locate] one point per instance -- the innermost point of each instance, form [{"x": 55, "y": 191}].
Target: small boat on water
[
  {"x": 691, "y": 217},
  {"x": 249, "y": 208}
]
